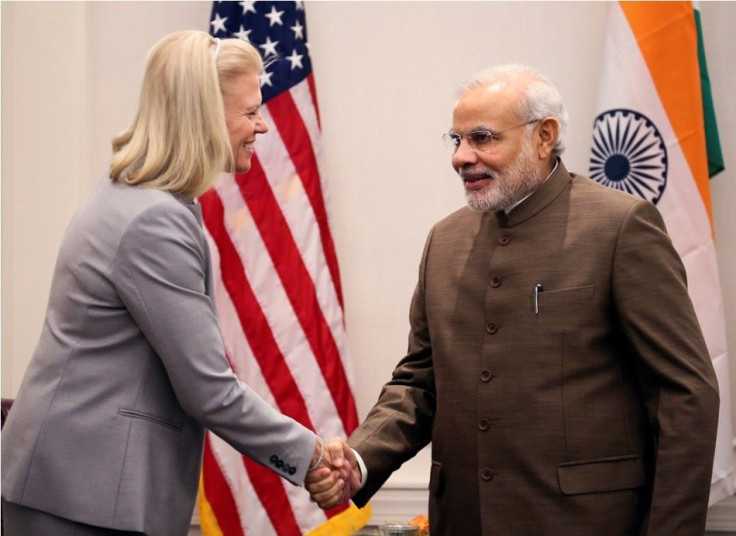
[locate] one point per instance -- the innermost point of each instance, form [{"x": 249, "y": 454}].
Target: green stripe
[{"x": 712, "y": 141}]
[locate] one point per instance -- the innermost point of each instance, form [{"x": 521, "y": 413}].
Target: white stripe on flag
[
  {"x": 280, "y": 302},
  {"x": 303, "y": 99},
  {"x": 241, "y": 355},
  {"x": 303, "y": 225},
  {"x": 251, "y": 513},
  {"x": 627, "y": 83},
  {"x": 229, "y": 460},
  {"x": 277, "y": 308}
]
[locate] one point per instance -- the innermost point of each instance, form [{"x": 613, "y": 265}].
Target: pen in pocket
[{"x": 538, "y": 289}]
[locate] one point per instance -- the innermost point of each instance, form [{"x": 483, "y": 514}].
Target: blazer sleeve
[
  {"x": 676, "y": 375},
  {"x": 160, "y": 273}
]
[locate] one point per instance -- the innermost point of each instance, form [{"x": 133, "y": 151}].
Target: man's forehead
[
  {"x": 499, "y": 91},
  {"x": 486, "y": 104}
]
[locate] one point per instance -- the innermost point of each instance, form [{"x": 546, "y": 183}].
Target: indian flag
[{"x": 650, "y": 139}]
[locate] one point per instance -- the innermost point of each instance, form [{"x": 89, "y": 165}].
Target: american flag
[{"x": 277, "y": 286}]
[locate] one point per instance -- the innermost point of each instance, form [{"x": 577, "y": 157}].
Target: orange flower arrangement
[{"x": 422, "y": 522}]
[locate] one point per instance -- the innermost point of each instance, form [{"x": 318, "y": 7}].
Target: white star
[
  {"x": 274, "y": 17},
  {"x": 298, "y": 30},
  {"x": 269, "y": 47},
  {"x": 300, "y": 5},
  {"x": 295, "y": 59},
  {"x": 247, "y": 6},
  {"x": 218, "y": 25},
  {"x": 243, "y": 34},
  {"x": 266, "y": 78}
]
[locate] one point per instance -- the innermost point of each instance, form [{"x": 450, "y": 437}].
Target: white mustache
[{"x": 470, "y": 174}]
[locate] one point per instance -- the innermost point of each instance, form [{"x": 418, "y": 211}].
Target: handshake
[{"x": 335, "y": 475}]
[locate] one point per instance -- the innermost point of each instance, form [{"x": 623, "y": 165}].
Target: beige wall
[{"x": 385, "y": 76}]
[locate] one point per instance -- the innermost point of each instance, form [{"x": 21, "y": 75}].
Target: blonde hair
[{"x": 178, "y": 140}]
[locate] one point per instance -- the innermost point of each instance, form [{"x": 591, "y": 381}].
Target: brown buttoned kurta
[{"x": 590, "y": 412}]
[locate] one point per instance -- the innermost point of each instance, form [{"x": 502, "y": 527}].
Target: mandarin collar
[{"x": 539, "y": 198}]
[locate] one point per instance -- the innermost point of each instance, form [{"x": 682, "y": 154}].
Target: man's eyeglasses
[{"x": 480, "y": 139}]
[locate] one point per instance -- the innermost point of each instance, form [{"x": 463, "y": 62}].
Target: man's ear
[{"x": 548, "y": 129}]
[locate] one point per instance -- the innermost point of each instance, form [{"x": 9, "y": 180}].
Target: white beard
[{"x": 508, "y": 187}]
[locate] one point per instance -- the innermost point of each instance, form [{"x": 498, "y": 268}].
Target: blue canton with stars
[{"x": 277, "y": 29}]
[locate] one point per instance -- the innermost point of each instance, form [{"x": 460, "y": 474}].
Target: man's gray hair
[{"x": 541, "y": 98}]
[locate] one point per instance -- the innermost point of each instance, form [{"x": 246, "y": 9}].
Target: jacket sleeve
[
  {"x": 160, "y": 272},
  {"x": 675, "y": 372},
  {"x": 400, "y": 423}
]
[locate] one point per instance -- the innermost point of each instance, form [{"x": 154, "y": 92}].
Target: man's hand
[{"x": 337, "y": 478}]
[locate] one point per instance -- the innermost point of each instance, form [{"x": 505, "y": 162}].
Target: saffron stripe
[
  {"x": 667, "y": 38},
  {"x": 651, "y": 67}
]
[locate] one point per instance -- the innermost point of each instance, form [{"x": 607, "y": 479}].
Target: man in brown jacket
[{"x": 555, "y": 360}]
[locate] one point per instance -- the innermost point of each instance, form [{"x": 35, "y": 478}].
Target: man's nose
[{"x": 464, "y": 154}]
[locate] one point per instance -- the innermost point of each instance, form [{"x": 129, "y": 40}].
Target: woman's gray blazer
[{"x": 108, "y": 425}]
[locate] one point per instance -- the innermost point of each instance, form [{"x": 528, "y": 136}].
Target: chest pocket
[
  {"x": 549, "y": 300},
  {"x": 563, "y": 305}
]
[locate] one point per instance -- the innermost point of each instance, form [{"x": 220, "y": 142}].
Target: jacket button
[
  {"x": 504, "y": 240},
  {"x": 486, "y": 376},
  {"x": 484, "y": 424},
  {"x": 495, "y": 281},
  {"x": 492, "y": 327},
  {"x": 486, "y": 474}
]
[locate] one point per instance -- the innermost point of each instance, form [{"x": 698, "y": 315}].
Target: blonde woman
[{"x": 106, "y": 433}]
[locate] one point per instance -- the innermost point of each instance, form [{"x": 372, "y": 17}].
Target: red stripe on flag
[
  {"x": 288, "y": 121},
  {"x": 267, "y": 485},
  {"x": 255, "y": 326},
  {"x": 273, "y": 497},
  {"x": 218, "y": 493},
  {"x": 299, "y": 287},
  {"x": 313, "y": 94},
  {"x": 322, "y": 329}
]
